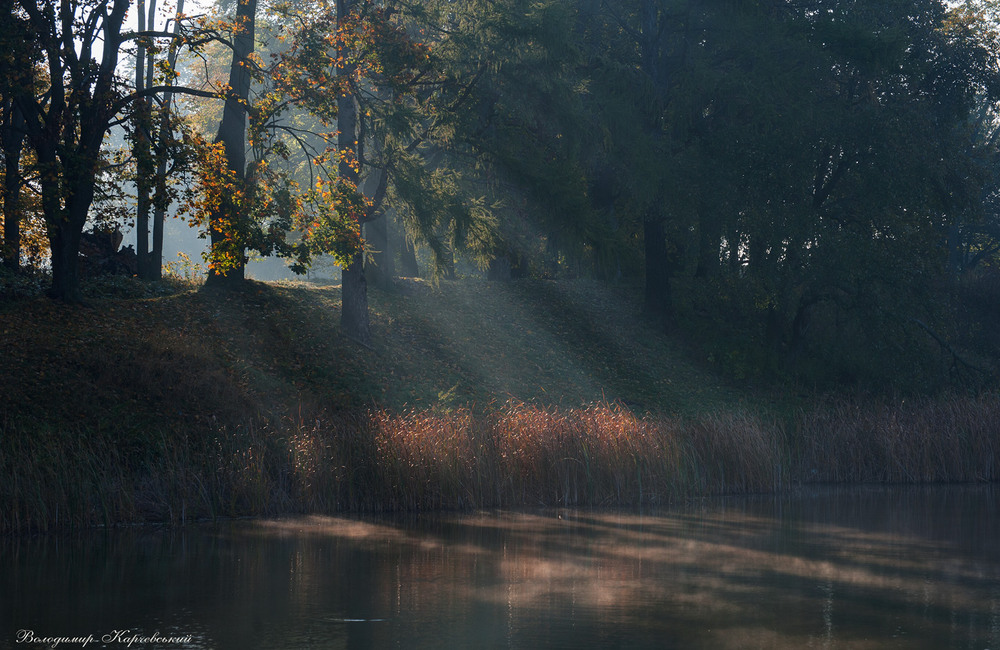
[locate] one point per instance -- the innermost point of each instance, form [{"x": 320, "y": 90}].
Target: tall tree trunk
[
  {"x": 756, "y": 253},
  {"x": 354, "y": 287},
  {"x": 142, "y": 153},
  {"x": 232, "y": 134},
  {"x": 65, "y": 245},
  {"x": 659, "y": 265},
  {"x": 354, "y": 319},
  {"x": 162, "y": 201},
  {"x": 650, "y": 36},
  {"x": 13, "y": 145},
  {"x": 68, "y": 130},
  {"x": 65, "y": 227}
]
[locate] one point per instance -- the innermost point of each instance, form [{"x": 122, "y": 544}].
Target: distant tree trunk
[
  {"x": 159, "y": 213},
  {"x": 955, "y": 256},
  {"x": 381, "y": 270},
  {"x": 354, "y": 287},
  {"x": 659, "y": 263},
  {"x": 13, "y": 145},
  {"x": 354, "y": 302},
  {"x": 448, "y": 261},
  {"x": 709, "y": 244},
  {"x": 800, "y": 326},
  {"x": 17, "y": 74},
  {"x": 499, "y": 270},
  {"x": 232, "y": 134},
  {"x": 553, "y": 255},
  {"x": 735, "y": 261},
  {"x": 775, "y": 328},
  {"x": 504, "y": 268},
  {"x": 659, "y": 269}
]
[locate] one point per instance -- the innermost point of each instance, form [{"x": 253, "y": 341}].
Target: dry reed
[{"x": 517, "y": 455}]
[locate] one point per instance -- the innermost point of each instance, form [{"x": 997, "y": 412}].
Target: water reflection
[{"x": 873, "y": 568}]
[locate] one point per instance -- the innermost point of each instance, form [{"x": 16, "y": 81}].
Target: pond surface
[{"x": 858, "y": 568}]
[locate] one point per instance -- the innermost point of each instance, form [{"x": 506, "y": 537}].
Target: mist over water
[{"x": 823, "y": 568}]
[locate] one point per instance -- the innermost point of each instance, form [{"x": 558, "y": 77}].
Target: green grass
[
  {"x": 168, "y": 403},
  {"x": 561, "y": 343},
  {"x": 139, "y": 352}
]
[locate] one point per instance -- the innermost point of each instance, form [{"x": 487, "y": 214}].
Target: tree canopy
[{"x": 806, "y": 190}]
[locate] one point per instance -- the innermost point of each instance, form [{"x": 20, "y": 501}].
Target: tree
[
  {"x": 227, "y": 222},
  {"x": 79, "y": 41},
  {"x": 514, "y": 139},
  {"x": 974, "y": 229},
  {"x": 142, "y": 127},
  {"x": 799, "y": 196},
  {"x": 354, "y": 287},
  {"x": 162, "y": 194},
  {"x": 641, "y": 58},
  {"x": 357, "y": 67},
  {"x": 861, "y": 238}
]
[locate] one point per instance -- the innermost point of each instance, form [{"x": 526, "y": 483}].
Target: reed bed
[
  {"x": 930, "y": 441},
  {"x": 513, "y": 456}
]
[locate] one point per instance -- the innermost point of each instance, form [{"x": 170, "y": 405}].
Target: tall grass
[{"x": 516, "y": 455}]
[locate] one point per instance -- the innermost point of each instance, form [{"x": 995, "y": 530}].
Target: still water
[{"x": 858, "y": 568}]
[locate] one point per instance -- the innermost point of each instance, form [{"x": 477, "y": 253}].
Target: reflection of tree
[
  {"x": 840, "y": 565},
  {"x": 845, "y": 569}
]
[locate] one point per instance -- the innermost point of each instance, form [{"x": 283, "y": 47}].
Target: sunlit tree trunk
[
  {"x": 161, "y": 203},
  {"x": 226, "y": 222}
]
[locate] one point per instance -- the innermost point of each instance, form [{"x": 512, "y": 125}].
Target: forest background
[{"x": 744, "y": 244}]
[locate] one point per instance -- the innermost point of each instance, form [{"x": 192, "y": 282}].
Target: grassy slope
[
  {"x": 138, "y": 357},
  {"x": 561, "y": 343}
]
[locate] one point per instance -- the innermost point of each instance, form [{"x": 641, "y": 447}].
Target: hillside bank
[{"x": 169, "y": 403}]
